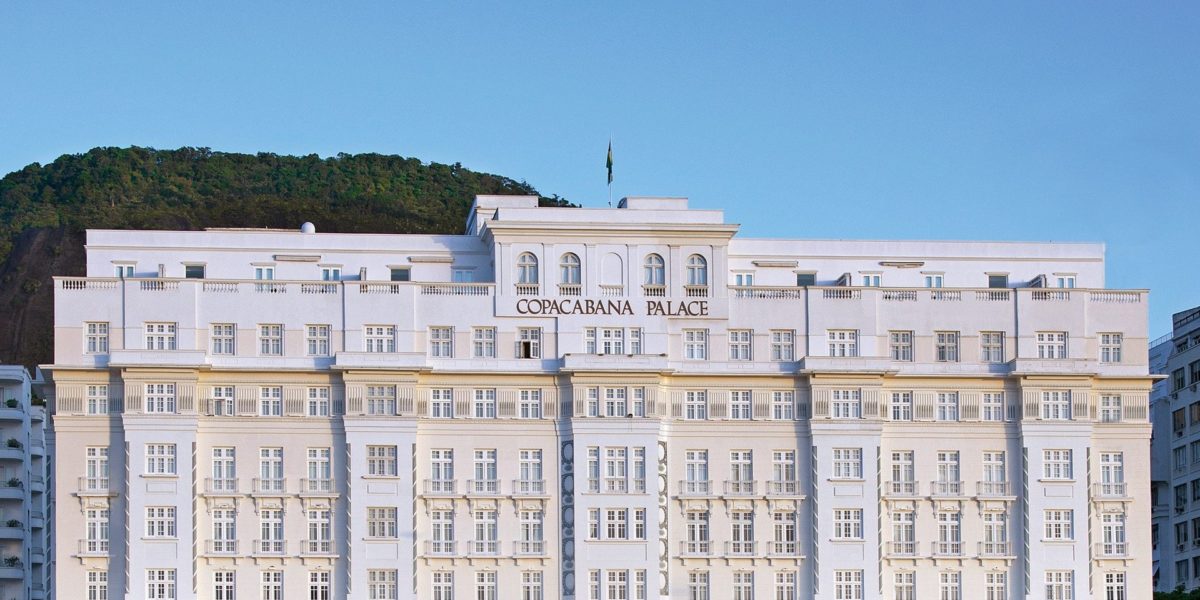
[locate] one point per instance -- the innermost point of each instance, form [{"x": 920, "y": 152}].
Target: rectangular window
[
  {"x": 318, "y": 402},
  {"x": 848, "y": 585},
  {"x": 270, "y": 401},
  {"x": 783, "y": 472},
  {"x": 847, "y": 463},
  {"x": 843, "y": 342},
  {"x": 529, "y": 342},
  {"x": 997, "y": 281},
  {"x": 160, "y": 336},
  {"x": 160, "y": 398},
  {"x": 695, "y": 405},
  {"x": 1056, "y": 464},
  {"x": 441, "y": 403},
  {"x": 96, "y": 530},
  {"x": 871, "y": 279},
  {"x": 318, "y": 585},
  {"x": 483, "y": 342},
  {"x": 95, "y": 339},
  {"x": 224, "y": 531},
  {"x": 950, "y": 585},
  {"x": 783, "y": 344},
  {"x": 379, "y": 338},
  {"x": 160, "y": 459},
  {"x": 946, "y": 346},
  {"x": 1110, "y": 409},
  {"x": 530, "y": 404},
  {"x": 97, "y": 585},
  {"x": 783, "y": 405},
  {"x": 740, "y": 344},
  {"x": 485, "y": 404},
  {"x": 739, "y": 405},
  {"x": 97, "y": 399},
  {"x": 381, "y": 400},
  {"x": 331, "y": 273},
  {"x": 160, "y": 584},
  {"x": 1052, "y": 344},
  {"x": 223, "y": 339},
  {"x": 615, "y": 402},
  {"x": 901, "y": 343},
  {"x": 1056, "y": 405},
  {"x": 904, "y": 587},
  {"x": 441, "y": 463},
  {"x": 531, "y": 585},
  {"x": 847, "y": 404},
  {"x": 1060, "y": 585},
  {"x": 1058, "y": 524},
  {"x": 270, "y": 340},
  {"x": 947, "y": 406},
  {"x": 991, "y": 346},
  {"x": 381, "y": 522},
  {"x": 695, "y": 344},
  {"x": 272, "y": 585},
  {"x": 934, "y": 280},
  {"x": 806, "y": 279},
  {"x": 993, "y": 406},
  {"x": 381, "y": 584},
  {"x": 485, "y": 481},
  {"x": 223, "y": 585},
  {"x": 1114, "y": 586},
  {"x": 441, "y": 342},
  {"x": 902, "y": 406},
  {"x": 381, "y": 461},
  {"x": 1110, "y": 347},
  {"x": 847, "y": 524},
  {"x": 400, "y": 274},
  {"x": 316, "y": 339},
  {"x": 320, "y": 470}
]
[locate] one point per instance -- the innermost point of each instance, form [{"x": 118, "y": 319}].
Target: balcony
[
  {"x": 221, "y": 547},
  {"x": 483, "y": 487},
  {"x": 527, "y": 289},
  {"x": 996, "y": 550},
  {"x": 12, "y": 411},
  {"x": 739, "y": 487},
  {"x": 275, "y": 486},
  {"x": 695, "y": 291},
  {"x": 12, "y": 533},
  {"x": 318, "y": 487},
  {"x": 529, "y": 548},
  {"x": 37, "y": 448},
  {"x": 654, "y": 291},
  {"x": 783, "y": 488},
  {"x": 221, "y": 486},
  {"x": 13, "y": 489},
  {"x": 269, "y": 547},
  {"x": 11, "y": 567},
  {"x": 946, "y": 489},
  {"x": 441, "y": 548},
  {"x": 483, "y": 548},
  {"x": 12, "y": 453},
  {"x": 743, "y": 548},
  {"x": 902, "y": 549},
  {"x": 316, "y": 548},
  {"x": 1111, "y": 550},
  {"x": 947, "y": 549},
  {"x": 612, "y": 290},
  {"x": 1116, "y": 491},
  {"x": 697, "y": 488},
  {"x": 93, "y": 547},
  {"x": 441, "y": 487},
  {"x": 901, "y": 489},
  {"x": 529, "y": 487},
  {"x": 993, "y": 489},
  {"x": 783, "y": 549},
  {"x": 570, "y": 289},
  {"x": 696, "y": 548},
  {"x": 37, "y": 484}
]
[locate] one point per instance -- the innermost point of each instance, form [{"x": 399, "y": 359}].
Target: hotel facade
[{"x": 596, "y": 404}]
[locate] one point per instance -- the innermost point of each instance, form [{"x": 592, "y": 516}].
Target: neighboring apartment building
[
  {"x": 602, "y": 404},
  {"x": 1176, "y": 452},
  {"x": 23, "y": 522}
]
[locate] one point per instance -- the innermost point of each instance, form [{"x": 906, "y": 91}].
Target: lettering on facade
[{"x": 571, "y": 306}]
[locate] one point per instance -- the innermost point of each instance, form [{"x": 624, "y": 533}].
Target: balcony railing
[
  {"x": 612, "y": 290},
  {"x": 902, "y": 548},
  {"x": 783, "y": 488},
  {"x": 1112, "y": 549},
  {"x": 529, "y": 547},
  {"x": 695, "y": 548},
  {"x": 947, "y": 548},
  {"x": 946, "y": 488},
  {"x": 695, "y": 488},
  {"x": 269, "y": 547},
  {"x": 783, "y": 548},
  {"x": 1109, "y": 490},
  {"x": 269, "y": 486},
  {"x": 695, "y": 291},
  {"x": 993, "y": 489},
  {"x": 483, "y": 487},
  {"x": 736, "y": 487},
  {"x": 93, "y": 547},
  {"x": 484, "y": 547},
  {"x": 226, "y": 547},
  {"x": 654, "y": 291},
  {"x": 742, "y": 548},
  {"x": 94, "y": 485},
  {"x": 441, "y": 548},
  {"x": 316, "y": 547},
  {"x": 906, "y": 489},
  {"x": 527, "y": 289},
  {"x": 529, "y": 487},
  {"x": 317, "y": 486},
  {"x": 435, "y": 487},
  {"x": 227, "y": 485},
  {"x": 570, "y": 289},
  {"x": 995, "y": 549}
]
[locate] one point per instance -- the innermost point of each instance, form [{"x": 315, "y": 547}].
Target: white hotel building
[{"x": 596, "y": 404}]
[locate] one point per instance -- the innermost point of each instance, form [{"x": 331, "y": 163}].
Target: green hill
[{"x": 44, "y": 210}]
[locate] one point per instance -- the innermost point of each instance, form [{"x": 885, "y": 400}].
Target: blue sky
[{"x": 1013, "y": 121}]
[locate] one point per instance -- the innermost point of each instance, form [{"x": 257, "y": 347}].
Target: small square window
[
  {"x": 193, "y": 271},
  {"x": 806, "y": 279},
  {"x": 401, "y": 274},
  {"x": 998, "y": 281}
]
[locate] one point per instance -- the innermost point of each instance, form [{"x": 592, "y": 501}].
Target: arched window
[
  {"x": 569, "y": 268},
  {"x": 656, "y": 273},
  {"x": 527, "y": 269},
  {"x": 697, "y": 270}
]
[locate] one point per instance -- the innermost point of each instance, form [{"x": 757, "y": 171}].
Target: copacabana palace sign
[{"x": 589, "y": 306}]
